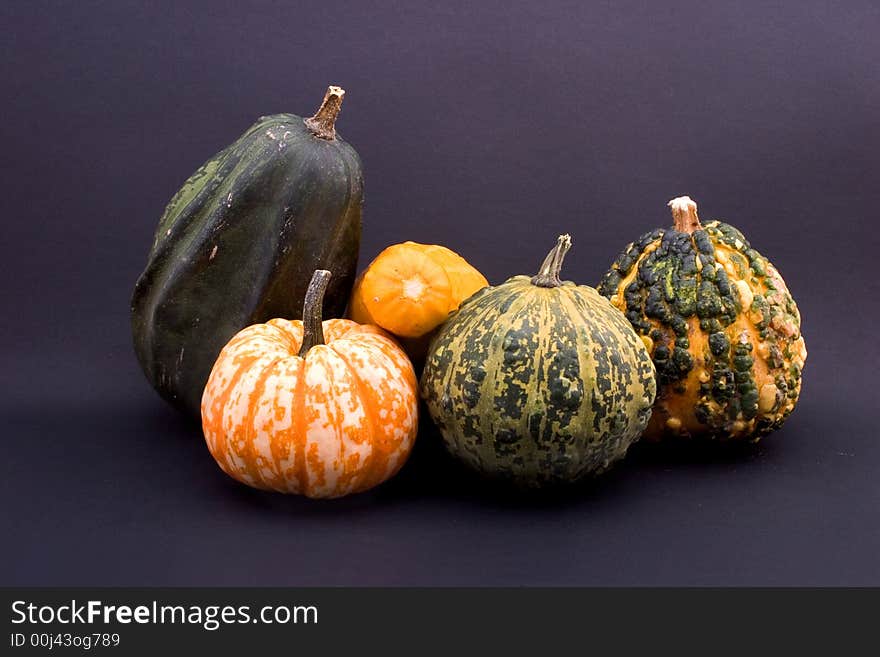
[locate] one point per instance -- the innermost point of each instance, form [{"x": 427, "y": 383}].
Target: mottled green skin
[
  {"x": 681, "y": 279},
  {"x": 538, "y": 385},
  {"x": 238, "y": 244}
]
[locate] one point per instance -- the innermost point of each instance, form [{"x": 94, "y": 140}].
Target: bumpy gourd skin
[
  {"x": 538, "y": 385},
  {"x": 722, "y": 328}
]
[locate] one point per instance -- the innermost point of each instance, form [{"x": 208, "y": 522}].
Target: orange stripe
[
  {"x": 250, "y": 431},
  {"x": 298, "y": 424},
  {"x": 215, "y": 417},
  {"x": 370, "y": 473}
]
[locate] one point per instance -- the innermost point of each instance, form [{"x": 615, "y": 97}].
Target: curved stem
[
  {"x": 313, "y": 333},
  {"x": 684, "y": 215},
  {"x": 548, "y": 275},
  {"x": 323, "y": 123}
]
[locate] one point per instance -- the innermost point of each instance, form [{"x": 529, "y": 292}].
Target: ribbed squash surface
[
  {"x": 337, "y": 421},
  {"x": 538, "y": 385}
]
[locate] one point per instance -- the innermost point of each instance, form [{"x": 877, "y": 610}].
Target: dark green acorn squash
[
  {"x": 237, "y": 246},
  {"x": 538, "y": 381}
]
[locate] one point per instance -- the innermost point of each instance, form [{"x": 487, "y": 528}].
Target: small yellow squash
[{"x": 410, "y": 288}]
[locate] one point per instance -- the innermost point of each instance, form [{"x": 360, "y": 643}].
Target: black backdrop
[{"x": 489, "y": 127}]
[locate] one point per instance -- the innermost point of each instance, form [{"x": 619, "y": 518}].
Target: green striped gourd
[{"x": 538, "y": 381}]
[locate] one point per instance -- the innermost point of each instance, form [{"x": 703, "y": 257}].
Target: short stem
[
  {"x": 548, "y": 276},
  {"x": 323, "y": 123},
  {"x": 684, "y": 215},
  {"x": 313, "y": 333}
]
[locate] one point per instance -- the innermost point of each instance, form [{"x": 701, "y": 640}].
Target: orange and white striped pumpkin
[{"x": 325, "y": 419}]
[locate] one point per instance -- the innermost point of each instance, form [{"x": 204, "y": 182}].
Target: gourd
[
  {"x": 538, "y": 381},
  {"x": 321, "y": 409},
  {"x": 409, "y": 289},
  {"x": 721, "y": 325},
  {"x": 238, "y": 243}
]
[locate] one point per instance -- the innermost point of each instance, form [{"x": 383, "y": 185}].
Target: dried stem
[
  {"x": 323, "y": 123},
  {"x": 313, "y": 332},
  {"x": 684, "y": 215},
  {"x": 548, "y": 275}
]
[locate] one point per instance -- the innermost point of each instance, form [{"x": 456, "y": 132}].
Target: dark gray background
[{"x": 489, "y": 127}]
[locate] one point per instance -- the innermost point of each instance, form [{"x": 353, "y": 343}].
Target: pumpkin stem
[
  {"x": 684, "y": 215},
  {"x": 548, "y": 275},
  {"x": 323, "y": 123},
  {"x": 313, "y": 332}
]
